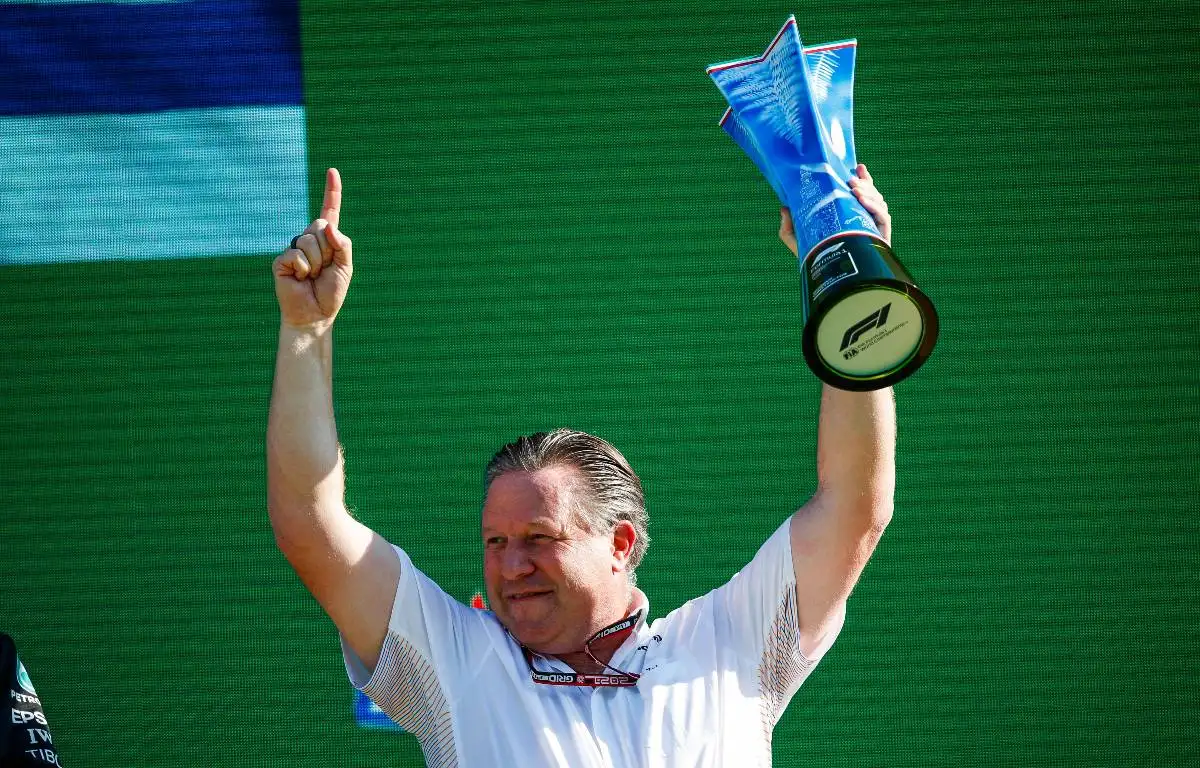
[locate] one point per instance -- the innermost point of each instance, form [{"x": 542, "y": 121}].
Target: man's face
[{"x": 550, "y": 581}]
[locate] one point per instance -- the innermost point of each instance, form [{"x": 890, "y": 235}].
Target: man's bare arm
[
  {"x": 835, "y": 533},
  {"x": 351, "y": 570}
]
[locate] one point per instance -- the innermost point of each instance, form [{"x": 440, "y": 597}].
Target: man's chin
[{"x": 534, "y": 635}]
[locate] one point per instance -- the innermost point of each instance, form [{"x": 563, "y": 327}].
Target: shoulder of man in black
[{"x": 25, "y": 740}]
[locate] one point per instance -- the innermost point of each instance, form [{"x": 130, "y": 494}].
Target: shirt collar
[{"x": 640, "y": 607}]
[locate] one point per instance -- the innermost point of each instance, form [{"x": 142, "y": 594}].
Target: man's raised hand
[
  {"x": 313, "y": 275},
  {"x": 863, "y": 187}
]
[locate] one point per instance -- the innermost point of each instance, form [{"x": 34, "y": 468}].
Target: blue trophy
[{"x": 866, "y": 323}]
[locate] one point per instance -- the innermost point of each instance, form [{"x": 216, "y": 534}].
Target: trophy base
[{"x": 871, "y": 330}]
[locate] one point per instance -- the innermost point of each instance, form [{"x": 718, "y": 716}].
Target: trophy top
[{"x": 789, "y": 24}]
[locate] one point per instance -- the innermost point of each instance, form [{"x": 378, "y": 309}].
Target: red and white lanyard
[{"x": 620, "y": 680}]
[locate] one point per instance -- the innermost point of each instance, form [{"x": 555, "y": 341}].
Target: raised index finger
[{"x": 331, "y": 206}]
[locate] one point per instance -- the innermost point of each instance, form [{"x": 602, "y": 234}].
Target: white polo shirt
[{"x": 716, "y": 674}]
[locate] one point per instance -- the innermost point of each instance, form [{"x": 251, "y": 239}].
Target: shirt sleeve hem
[{"x": 360, "y": 676}]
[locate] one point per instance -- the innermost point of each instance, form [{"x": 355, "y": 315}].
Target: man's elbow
[
  {"x": 294, "y": 529},
  {"x": 880, "y": 514},
  {"x": 867, "y": 524},
  {"x": 868, "y": 516},
  {"x": 868, "y": 509}
]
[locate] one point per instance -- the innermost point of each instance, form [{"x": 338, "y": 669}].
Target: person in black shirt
[{"x": 24, "y": 735}]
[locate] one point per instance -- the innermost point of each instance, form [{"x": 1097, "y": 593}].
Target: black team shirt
[{"x": 24, "y": 735}]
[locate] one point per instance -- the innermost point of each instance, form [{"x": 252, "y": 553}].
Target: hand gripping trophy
[{"x": 866, "y": 323}]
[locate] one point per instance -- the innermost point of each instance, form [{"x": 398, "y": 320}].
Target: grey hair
[{"x": 612, "y": 490}]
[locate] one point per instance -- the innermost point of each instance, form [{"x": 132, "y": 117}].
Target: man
[
  {"x": 25, "y": 740},
  {"x": 564, "y": 671}
]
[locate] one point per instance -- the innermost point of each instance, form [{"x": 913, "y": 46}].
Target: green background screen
[{"x": 551, "y": 230}]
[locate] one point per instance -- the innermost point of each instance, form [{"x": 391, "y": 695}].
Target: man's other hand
[{"x": 313, "y": 275}]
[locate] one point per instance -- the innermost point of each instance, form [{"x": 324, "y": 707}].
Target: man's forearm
[
  {"x": 856, "y": 450},
  {"x": 304, "y": 472}
]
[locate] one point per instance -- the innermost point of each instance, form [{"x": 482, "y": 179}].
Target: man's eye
[
  {"x": 494, "y": 541},
  {"x": 540, "y": 537}
]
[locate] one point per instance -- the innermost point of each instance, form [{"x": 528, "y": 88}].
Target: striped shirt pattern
[
  {"x": 416, "y": 701},
  {"x": 783, "y": 665}
]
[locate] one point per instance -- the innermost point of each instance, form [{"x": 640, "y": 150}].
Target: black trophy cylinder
[{"x": 866, "y": 323}]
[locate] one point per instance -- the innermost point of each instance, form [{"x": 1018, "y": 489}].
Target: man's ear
[{"x": 623, "y": 537}]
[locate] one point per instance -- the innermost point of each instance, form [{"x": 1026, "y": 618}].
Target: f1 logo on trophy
[{"x": 866, "y": 323}]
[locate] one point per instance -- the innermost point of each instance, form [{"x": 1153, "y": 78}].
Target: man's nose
[{"x": 515, "y": 562}]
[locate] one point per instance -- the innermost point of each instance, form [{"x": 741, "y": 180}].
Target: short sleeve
[
  {"x": 432, "y": 646},
  {"x": 756, "y": 612}
]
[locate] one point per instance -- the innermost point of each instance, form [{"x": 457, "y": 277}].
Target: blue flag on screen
[
  {"x": 367, "y": 714},
  {"x": 145, "y": 130}
]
